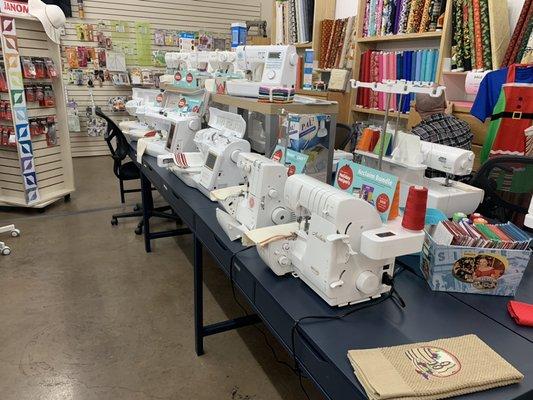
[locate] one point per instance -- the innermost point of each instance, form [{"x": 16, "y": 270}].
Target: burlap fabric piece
[{"x": 432, "y": 370}]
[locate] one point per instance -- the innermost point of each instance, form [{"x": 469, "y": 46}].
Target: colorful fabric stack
[
  {"x": 471, "y": 44},
  {"x": 376, "y": 66},
  {"x": 269, "y": 94},
  {"x": 392, "y": 17},
  {"x": 521, "y": 45}
]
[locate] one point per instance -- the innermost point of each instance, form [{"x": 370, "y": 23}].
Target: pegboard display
[
  {"x": 165, "y": 20},
  {"x": 35, "y": 158}
]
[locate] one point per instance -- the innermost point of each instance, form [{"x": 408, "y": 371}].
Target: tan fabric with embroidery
[{"x": 433, "y": 370}]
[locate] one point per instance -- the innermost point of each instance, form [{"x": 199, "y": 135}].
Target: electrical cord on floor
[
  {"x": 393, "y": 295},
  {"x": 245, "y": 312}
]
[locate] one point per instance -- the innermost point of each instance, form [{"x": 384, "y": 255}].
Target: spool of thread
[
  {"x": 414, "y": 216},
  {"x": 480, "y": 221},
  {"x": 466, "y": 221},
  {"x": 474, "y": 216},
  {"x": 458, "y": 216}
]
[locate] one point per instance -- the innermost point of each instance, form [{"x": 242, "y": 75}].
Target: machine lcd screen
[
  {"x": 274, "y": 55},
  {"x": 211, "y": 160},
  {"x": 385, "y": 234},
  {"x": 170, "y": 136}
]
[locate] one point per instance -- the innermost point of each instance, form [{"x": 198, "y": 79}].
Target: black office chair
[
  {"x": 508, "y": 183},
  {"x": 127, "y": 171}
]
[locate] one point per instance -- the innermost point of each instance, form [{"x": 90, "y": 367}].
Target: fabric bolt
[
  {"x": 326, "y": 31},
  {"x": 367, "y": 15},
  {"x": 368, "y": 78},
  {"x": 485, "y": 34},
  {"x": 385, "y": 18},
  {"x": 404, "y": 16},
  {"x": 379, "y": 16},
  {"x": 423, "y": 64},
  {"x": 525, "y": 16},
  {"x": 457, "y": 35},
  {"x": 471, "y": 33},
  {"x": 372, "y": 17},
  {"x": 424, "y": 20},
  {"x": 398, "y": 16},
  {"x": 418, "y": 71},
  {"x": 434, "y": 16},
  {"x": 415, "y": 15},
  {"x": 478, "y": 40},
  {"x": 510, "y": 138},
  {"x": 374, "y": 78},
  {"x": 382, "y": 74},
  {"x": 467, "y": 43},
  {"x": 527, "y": 58},
  {"x": 525, "y": 41}
]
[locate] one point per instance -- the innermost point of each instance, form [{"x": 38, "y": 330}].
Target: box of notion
[{"x": 473, "y": 269}]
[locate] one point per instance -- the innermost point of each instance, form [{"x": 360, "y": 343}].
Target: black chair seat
[{"x": 129, "y": 171}]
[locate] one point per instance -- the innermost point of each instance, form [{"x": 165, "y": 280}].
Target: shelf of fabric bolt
[
  {"x": 321, "y": 346},
  {"x": 402, "y": 37}
]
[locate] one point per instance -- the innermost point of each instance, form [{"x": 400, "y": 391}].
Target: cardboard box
[{"x": 473, "y": 270}]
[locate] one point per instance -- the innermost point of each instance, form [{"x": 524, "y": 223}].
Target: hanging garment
[
  {"x": 491, "y": 86},
  {"x": 485, "y": 34},
  {"x": 516, "y": 117}
]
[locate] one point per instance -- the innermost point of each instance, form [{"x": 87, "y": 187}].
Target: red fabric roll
[{"x": 414, "y": 216}]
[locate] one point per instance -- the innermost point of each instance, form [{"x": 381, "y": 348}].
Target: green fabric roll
[{"x": 485, "y": 34}]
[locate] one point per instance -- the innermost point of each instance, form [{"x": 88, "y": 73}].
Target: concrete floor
[{"x": 86, "y": 314}]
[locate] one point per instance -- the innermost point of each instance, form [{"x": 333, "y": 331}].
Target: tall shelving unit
[
  {"x": 33, "y": 173},
  {"x": 441, "y": 40},
  {"x": 324, "y": 9}
]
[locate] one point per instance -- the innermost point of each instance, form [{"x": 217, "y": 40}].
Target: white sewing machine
[
  {"x": 221, "y": 62},
  {"x": 410, "y": 159},
  {"x": 215, "y": 165},
  {"x": 273, "y": 65},
  {"x": 341, "y": 249},
  {"x": 257, "y": 204}
]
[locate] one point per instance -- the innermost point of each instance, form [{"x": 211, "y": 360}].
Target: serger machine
[
  {"x": 215, "y": 165},
  {"x": 410, "y": 161},
  {"x": 265, "y": 66},
  {"x": 340, "y": 248},
  {"x": 257, "y": 204}
]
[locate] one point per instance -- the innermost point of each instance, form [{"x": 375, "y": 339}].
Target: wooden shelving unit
[
  {"x": 324, "y": 9},
  {"x": 500, "y": 34},
  {"x": 33, "y": 173}
]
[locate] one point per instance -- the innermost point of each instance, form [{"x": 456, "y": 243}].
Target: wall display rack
[{"x": 35, "y": 156}]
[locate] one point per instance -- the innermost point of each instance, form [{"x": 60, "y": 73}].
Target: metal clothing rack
[{"x": 401, "y": 87}]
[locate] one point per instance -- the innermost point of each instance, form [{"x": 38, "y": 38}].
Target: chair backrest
[
  {"x": 508, "y": 185},
  {"x": 116, "y": 141}
]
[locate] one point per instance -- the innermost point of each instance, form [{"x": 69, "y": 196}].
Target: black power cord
[
  {"x": 393, "y": 295},
  {"x": 245, "y": 313}
]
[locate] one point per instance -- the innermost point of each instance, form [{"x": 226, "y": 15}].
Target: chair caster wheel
[
  {"x": 15, "y": 233},
  {"x": 6, "y": 251},
  {"x": 114, "y": 222},
  {"x": 139, "y": 230},
  {"x": 136, "y": 208},
  {"x": 66, "y": 198}
]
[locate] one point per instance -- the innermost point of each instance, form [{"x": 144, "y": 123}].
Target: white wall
[{"x": 345, "y": 8}]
